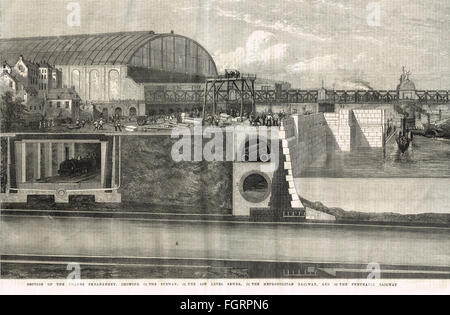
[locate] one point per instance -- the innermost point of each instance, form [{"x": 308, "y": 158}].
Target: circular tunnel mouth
[{"x": 255, "y": 187}]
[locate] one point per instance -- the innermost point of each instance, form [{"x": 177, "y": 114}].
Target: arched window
[
  {"x": 114, "y": 85},
  {"x": 118, "y": 112},
  {"x": 94, "y": 85},
  {"x": 105, "y": 113},
  {"x": 76, "y": 80}
]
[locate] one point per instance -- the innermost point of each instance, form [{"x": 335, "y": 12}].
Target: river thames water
[{"x": 427, "y": 158}]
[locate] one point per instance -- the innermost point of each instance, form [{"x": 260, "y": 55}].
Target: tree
[{"x": 11, "y": 110}]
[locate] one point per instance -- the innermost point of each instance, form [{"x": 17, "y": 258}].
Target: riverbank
[{"x": 382, "y": 218}]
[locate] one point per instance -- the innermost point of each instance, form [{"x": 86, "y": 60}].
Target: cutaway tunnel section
[
  {"x": 60, "y": 165},
  {"x": 81, "y": 164}
]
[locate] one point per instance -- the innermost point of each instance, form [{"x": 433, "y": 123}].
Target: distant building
[
  {"x": 63, "y": 103},
  {"x": 21, "y": 80},
  {"x": 112, "y": 71},
  {"x": 31, "y": 82},
  {"x": 12, "y": 82},
  {"x": 6, "y": 67},
  {"x": 33, "y": 104},
  {"x": 406, "y": 89},
  {"x": 28, "y": 72},
  {"x": 269, "y": 84},
  {"x": 49, "y": 78},
  {"x": 8, "y": 83}
]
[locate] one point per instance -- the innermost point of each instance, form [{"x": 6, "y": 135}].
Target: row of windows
[
  {"x": 58, "y": 104},
  {"x": 42, "y": 86},
  {"x": 33, "y": 72}
]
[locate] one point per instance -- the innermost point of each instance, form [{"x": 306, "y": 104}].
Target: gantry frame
[{"x": 238, "y": 83}]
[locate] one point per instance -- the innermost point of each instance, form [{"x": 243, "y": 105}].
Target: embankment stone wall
[
  {"x": 310, "y": 137},
  {"x": 307, "y": 140},
  {"x": 340, "y": 136},
  {"x": 369, "y": 127}
]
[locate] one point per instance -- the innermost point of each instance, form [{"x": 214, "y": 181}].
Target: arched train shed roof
[{"x": 82, "y": 50}]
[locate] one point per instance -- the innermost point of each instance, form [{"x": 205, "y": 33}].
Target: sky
[{"x": 343, "y": 43}]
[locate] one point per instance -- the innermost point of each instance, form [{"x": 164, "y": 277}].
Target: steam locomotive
[{"x": 77, "y": 167}]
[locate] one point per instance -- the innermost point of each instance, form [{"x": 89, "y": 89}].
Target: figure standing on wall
[
  {"x": 405, "y": 75},
  {"x": 408, "y": 74}
]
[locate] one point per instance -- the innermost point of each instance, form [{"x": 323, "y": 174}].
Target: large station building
[{"x": 111, "y": 72}]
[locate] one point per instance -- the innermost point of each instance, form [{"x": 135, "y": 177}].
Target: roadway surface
[{"x": 318, "y": 243}]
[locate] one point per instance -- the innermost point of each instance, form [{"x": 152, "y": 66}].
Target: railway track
[{"x": 112, "y": 214}]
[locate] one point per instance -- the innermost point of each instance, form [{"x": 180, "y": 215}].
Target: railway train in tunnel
[{"x": 77, "y": 167}]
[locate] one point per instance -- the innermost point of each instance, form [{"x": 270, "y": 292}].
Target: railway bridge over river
[{"x": 266, "y": 96}]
